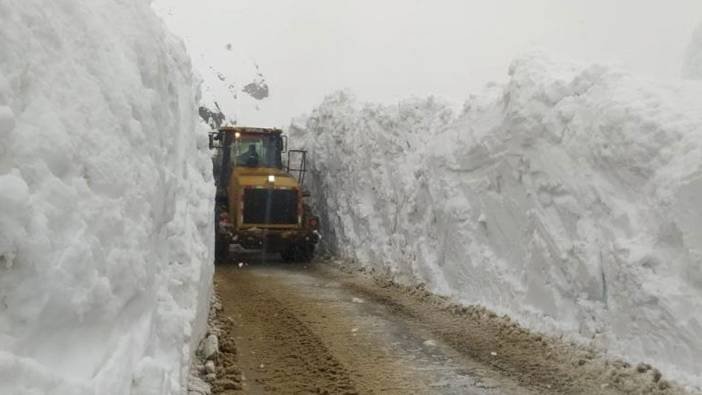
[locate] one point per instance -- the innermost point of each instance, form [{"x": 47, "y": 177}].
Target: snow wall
[
  {"x": 105, "y": 201},
  {"x": 567, "y": 198}
]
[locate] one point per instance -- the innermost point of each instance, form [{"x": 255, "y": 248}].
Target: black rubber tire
[
  {"x": 221, "y": 251},
  {"x": 305, "y": 253},
  {"x": 288, "y": 255},
  {"x": 300, "y": 253}
]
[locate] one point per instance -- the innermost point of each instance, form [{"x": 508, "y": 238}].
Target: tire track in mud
[
  {"x": 277, "y": 352},
  {"x": 316, "y": 329},
  {"x": 298, "y": 331}
]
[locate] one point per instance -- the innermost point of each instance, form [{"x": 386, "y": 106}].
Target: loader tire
[
  {"x": 306, "y": 253},
  {"x": 221, "y": 250},
  {"x": 302, "y": 253},
  {"x": 288, "y": 255}
]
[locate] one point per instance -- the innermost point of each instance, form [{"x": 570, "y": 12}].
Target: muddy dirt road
[{"x": 314, "y": 329}]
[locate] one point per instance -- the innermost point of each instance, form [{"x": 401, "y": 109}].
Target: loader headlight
[
  {"x": 237, "y": 135},
  {"x": 271, "y": 178}
]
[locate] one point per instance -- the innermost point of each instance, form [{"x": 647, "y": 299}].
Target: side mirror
[
  {"x": 214, "y": 136},
  {"x": 285, "y": 144}
]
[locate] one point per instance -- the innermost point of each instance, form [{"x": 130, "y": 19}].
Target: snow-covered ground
[
  {"x": 105, "y": 201},
  {"x": 567, "y": 198}
]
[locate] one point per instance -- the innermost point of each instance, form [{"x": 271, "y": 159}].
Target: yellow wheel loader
[{"x": 260, "y": 204}]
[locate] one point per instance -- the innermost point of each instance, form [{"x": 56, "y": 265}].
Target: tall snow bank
[
  {"x": 105, "y": 201},
  {"x": 568, "y": 199},
  {"x": 693, "y": 62}
]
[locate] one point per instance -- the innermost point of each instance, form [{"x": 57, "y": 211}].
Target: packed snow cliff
[
  {"x": 567, "y": 198},
  {"x": 105, "y": 201}
]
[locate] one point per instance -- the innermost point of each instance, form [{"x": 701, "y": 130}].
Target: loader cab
[
  {"x": 241, "y": 147},
  {"x": 256, "y": 150}
]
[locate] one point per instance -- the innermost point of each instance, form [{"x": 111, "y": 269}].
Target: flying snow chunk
[{"x": 257, "y": 89}]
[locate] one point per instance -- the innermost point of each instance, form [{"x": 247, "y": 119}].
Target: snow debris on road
[
  {"x": 567, "y": 198},
  {"x": 105, "y": 201},
  {"x": 214, "y": 367},
  {"x": 211, "y": 347}
]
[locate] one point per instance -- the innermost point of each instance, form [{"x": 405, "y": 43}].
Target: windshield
[{"x": 256, "y": 151}]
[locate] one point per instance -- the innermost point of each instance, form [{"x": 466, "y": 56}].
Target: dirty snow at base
[
  {"x": 105, "y": 201},
  {"x": 568, "y": 198}
]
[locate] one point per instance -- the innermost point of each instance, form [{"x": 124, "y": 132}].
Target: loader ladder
[{"x": 301, "y": 167}]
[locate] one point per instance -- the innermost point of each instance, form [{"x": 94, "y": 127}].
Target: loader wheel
[
  {"x": 306, "y": 253},
  {"x": 221, "y": 250},
  {"x": 288, "y": 255},
  {"x": 302, "y": 253}
]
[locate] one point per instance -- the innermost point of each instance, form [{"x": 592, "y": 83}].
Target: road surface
[{"x": 313, "y": 329}]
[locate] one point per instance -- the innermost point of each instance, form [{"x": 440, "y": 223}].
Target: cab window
[{"x": 256, "y": 151}]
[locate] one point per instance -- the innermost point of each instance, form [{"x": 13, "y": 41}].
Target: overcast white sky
[{"x": 386, "y": 50}]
